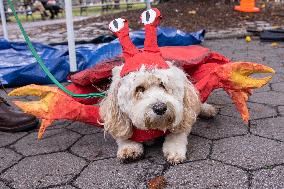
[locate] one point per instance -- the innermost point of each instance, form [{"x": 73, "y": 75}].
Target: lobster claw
[
  {"x": 237, "y": 75},
  {"x": 43, "y": 108},
  {"x": 240, "y": 98},
  {"x": 237, "y": 82},
  {"x": 40, "y": 108},
  {"x": 54, "y": 105}
]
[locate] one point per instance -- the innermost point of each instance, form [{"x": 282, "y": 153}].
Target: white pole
[
  {"x": 148, "y": 4},
  {"x": 3, "y": 19},
  {"x": 70, "y": 35}
]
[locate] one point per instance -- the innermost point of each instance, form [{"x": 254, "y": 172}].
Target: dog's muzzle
[
  {"x": 160, "y": 116},
  {"x": 159, "y": 108}
]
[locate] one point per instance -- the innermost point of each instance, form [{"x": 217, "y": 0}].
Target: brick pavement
[{"x": 222, "y": 153}]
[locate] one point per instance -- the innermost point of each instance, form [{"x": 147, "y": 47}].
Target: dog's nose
[{"x": 159, "y": 108}]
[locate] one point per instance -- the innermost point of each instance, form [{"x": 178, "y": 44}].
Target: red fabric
[
  {"x": 206, "y": 69},
  {"x": 147, "y": 59},
  {"x": 191, "y": 58},
  {"x": 128, "y": 48},
  {"x": 72, "y": 110},
  {"x": 84, "y": 90},
  {"x": 198, "y": 62},
  {"x": 146, "y": 135},
  {"x": 202, "y": 77},
  {"x": 151, "y": 42},
  {"x": 134, "y": 59},
  {"x": 186, "y": 57},
  {"x": 97, "y": 74}
]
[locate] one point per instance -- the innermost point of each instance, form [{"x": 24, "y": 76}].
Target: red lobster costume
[{"x": 206, "y": 69}]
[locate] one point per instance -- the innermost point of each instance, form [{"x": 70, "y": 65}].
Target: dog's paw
[
  {"x": 175, "y": 157},
  {"x": 174, "y": 154},
  {"x": 207, "y": 111},
  {"x": 174, "y": 148},
  {"x": 130, "y": 151}
]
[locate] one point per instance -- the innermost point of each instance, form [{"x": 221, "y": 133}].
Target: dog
[
  {"x": 161, "y": 99},
  {"x": 148, "y": 92}
]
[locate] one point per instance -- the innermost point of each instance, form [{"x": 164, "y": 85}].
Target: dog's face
[
  {"x": 152, "y": 99},
  {"x": 161, "y": 99}
]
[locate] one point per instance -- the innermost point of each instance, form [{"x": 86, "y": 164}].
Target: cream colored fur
[{"x": 129, "y": 104}]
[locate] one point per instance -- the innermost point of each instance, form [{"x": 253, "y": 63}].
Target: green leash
[{"x": 42, "y": 65}]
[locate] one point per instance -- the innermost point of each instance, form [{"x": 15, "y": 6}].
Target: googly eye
[
  {"x": 116, "y": 24},
  {"x": 148, "y": 16}
]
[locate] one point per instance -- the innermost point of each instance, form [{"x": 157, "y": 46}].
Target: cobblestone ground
[{"x": 222, "y": 153}]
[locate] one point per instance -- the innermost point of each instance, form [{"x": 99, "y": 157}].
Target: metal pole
[
  {"x": 3, "y": 19},
  {"x": 70, "y": 35},
  {"x": 148, "y": 4}
]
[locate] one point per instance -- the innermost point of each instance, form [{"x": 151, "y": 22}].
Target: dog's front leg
[
  {"x": 174, "y": 147},
  {"x": 128, "y": 149}
]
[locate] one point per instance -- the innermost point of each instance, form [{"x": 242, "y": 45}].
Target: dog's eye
[
  {"x": 162, "y": 85},
  {"x": 139, "y": 89}
]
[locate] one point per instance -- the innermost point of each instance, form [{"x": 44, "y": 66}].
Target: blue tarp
[{"x": 18, "y": 67}]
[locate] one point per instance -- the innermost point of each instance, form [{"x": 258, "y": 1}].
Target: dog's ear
[
  {"x": 115, "y": 122},
  {"x": 191, "y": 108}
]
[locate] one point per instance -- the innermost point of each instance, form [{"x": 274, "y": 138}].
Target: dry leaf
[
  {"x": 158, "y": 182},
  {"x": 192, "y": 12},
  {"x": 248, "y": 39},
  {"x": 274, "y": 44}
]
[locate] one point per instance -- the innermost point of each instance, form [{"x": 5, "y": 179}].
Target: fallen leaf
[
  {"x": 274, "y": 44},
  {"x": 192, "y": 12},
  {"x": 158, "y": 182},
  {"x": 248, "y": 39}
]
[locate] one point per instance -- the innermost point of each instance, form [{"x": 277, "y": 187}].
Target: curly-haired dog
[
  {"x": 149, "y": 93},
  {"x": 161, "y": 99}
]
